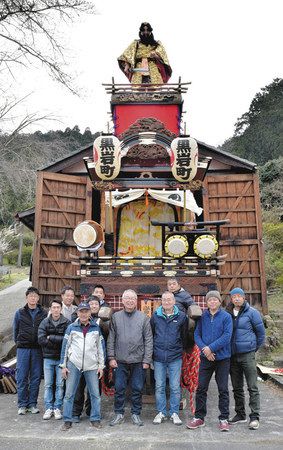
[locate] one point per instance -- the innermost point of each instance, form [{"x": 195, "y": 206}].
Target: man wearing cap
[
  {"x": 79, "y": 401},
  {"x": 213, "y": 337},
  {"x": 82, "y": 352},
  {"x": 248, "y": 336}
]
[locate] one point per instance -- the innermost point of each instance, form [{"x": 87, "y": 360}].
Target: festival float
[{"x": 147, "y": 202}]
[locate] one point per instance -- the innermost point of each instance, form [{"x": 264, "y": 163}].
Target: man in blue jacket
[
  {"x": 169, "y": 328},
  {"x": 213, "y": 337},
  {"x": 248, "y": 336}
]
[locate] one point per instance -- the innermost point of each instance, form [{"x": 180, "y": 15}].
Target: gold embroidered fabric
[
  {"x": 139, "y": 52},
  {"x": 137, "y": 237}
]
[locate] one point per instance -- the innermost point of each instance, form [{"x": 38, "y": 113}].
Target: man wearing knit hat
[
  {"x": 248, "y": 336},
  {"x": 213, "y": 337}
]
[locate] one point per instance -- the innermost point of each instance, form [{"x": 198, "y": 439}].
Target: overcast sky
[{"x": 228, "y": 49}]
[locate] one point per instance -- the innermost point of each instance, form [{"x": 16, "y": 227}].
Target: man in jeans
[
  {"x": 29, "y": 354},
  {"x": 213, "y": 337},
  {"x": 248, "y": 336},
  {"x": 82, "y": 352},
  {"x": 129, "y": 349},
  {"x": 169, "y": 329},
  {"x": 50, "y": 336}
]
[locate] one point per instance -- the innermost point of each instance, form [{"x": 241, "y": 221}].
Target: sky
[{"x": 227, "y": 49}]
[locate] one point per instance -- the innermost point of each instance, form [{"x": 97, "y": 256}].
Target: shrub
[{"x": 12, "y": 257}]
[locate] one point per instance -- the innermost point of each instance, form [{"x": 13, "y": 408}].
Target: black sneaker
[
  {"x": 117, "y": 420},
  {"x": 137, "y": 420},
  {"x": 237, "y": 419},
  {"x": 96, "y": 424}
]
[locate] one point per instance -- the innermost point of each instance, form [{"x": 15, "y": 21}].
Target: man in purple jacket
[{"x": 213, "y": 337}]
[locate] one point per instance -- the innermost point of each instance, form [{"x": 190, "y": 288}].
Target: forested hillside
[
  {"x": 258, "y": 134},
  {"x": 22, "y": 155},
  {"x": 258, "y": 137}
]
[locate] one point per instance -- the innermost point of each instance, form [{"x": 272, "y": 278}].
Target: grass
[
  {"x": 275, "y": 301},
  {"x": 17, "y": 274}
]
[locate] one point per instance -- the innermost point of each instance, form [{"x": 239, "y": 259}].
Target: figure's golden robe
[{"x": 138, "y": 56}]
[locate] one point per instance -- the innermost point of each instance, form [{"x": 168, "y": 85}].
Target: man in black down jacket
[
  {"x": 183, "y": 298},
  {"x": 29, "y": 354},
  {"x": 50, "y": 336}
]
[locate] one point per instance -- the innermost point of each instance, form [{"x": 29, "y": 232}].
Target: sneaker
[
  {"x": 195, "y": 423},
  {"x": 66, "y": 426},
  {"x": 176, "y": 419},
  {"x": 33, "y": 410},
  {"x": 76, "y": 419},
  {"x": 254, "y": 424},
  {"x": 223, "y": 425},
  {"x": 137, "y": 420},
  {"x": 48, "y": 414},
  {"x": 96, "y": 424},
  {"x": 237, "y": 419},
  {"x": 57, "y": 414},
  {"x": 159, "y": 418},
  {"x": 117, "y": 420},
  {"x": 22, "y": 411}
]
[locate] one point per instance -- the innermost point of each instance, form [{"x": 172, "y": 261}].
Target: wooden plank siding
[
  {"x": 62, "y": 201},
  {"x": 236, "y": 197}
]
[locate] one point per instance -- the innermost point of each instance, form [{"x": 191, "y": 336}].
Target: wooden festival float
[{"x": 157, "y": 203}]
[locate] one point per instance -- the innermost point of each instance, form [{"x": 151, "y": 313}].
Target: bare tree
[{"x": 29, "y": 33}]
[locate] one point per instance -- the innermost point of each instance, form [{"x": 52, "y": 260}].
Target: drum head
[
  {"x": 176, "y": 245},
  {"x": 87, "y": 234},
  {"x": 205, "y": 246}
]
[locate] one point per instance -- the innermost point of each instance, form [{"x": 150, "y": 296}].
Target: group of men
[{"x": 76, "y": 346}]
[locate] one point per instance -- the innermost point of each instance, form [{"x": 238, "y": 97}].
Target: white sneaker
[
  {"x": 176, "y": 419},
  {"x": 48, "y": 414},
  {"x": 57, "y": 414},
  {"x": 33, "y": 410},
  {"x": 159, "y": 418},
  {"x": 22, "y": 411}
]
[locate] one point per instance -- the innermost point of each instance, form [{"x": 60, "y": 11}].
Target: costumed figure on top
[{"x": 145, "y": 60}]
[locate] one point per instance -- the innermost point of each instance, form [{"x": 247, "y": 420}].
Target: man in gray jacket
[{"x": 129, "y": 349}]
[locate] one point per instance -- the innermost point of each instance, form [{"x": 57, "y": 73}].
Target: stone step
[{"x": 279, "y": 324}]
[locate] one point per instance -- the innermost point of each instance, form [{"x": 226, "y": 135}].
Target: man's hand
[
  {"x": 100, "y": 373},
  {"x": 145, "y": 366},
  {"x": 65, "y": 372},
  {"x": 127, "y": 68},
  {"x": 208, "y": 353},
  {"x": 155, "y": 55},
  {"x": 113, "y": 363},
  {"x": 211, "y": 357}
]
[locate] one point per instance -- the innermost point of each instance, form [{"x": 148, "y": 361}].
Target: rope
[
  {"x": 107, "y": 383},
  {"x": 189, "y": 376}
]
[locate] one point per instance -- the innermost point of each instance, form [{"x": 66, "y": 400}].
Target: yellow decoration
[
  {"x": 138, "y": 51},
  {"x": 137, "y": 237}
]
